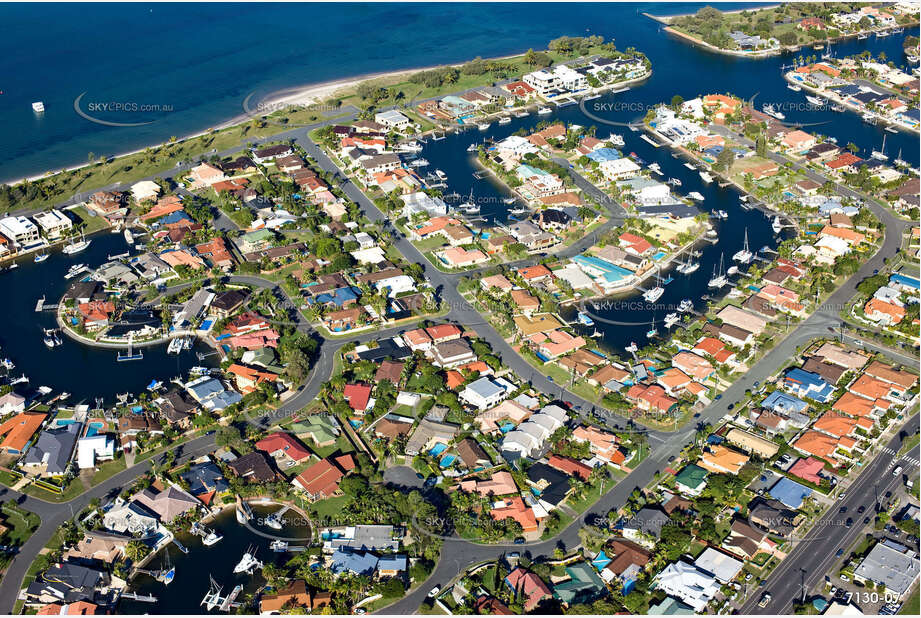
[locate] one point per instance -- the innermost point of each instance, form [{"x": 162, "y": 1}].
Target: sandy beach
[{"x": 298, "y": 96}]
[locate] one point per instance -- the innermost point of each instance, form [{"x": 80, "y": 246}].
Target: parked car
[
  {"x": 765, "y": 599},
  {"x": 434, "y": 591}
]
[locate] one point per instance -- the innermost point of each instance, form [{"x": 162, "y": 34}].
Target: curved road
[{"x": 458, "y": 554}]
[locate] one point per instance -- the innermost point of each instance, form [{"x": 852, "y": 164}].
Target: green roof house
[
  {"x": 320, "y": 428},
  {"x": 670, "y": 607},
  {"x": 692, "y": 480},
  {"x": 584, "y": 585}
]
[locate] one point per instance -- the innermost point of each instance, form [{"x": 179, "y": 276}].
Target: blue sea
[{"x": 202, "y": 60}]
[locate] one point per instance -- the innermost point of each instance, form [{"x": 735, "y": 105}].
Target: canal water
[
  {"x": 84, "y": 371},
  {"x": 689, "y": 72},
  {"x": 194, "y": 570}
]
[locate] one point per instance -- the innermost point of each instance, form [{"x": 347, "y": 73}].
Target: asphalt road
[
  {"x": 458, "y": 554},
  {"x": 810, "y": 560}
]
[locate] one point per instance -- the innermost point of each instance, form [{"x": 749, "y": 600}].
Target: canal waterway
[
  {"x": 84, "y": 371},
  {"x": 689, "y": 72},
  {"x": 194, "y": 570}
]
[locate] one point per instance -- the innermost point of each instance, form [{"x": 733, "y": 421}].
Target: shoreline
[{"x": 306, "y": 94}]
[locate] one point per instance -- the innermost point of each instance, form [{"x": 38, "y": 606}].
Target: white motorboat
[
  {"x": 706, "y": 177},
  {"x": 522, "y": 113},
  {"x": 794, "y": 87},
  {"x": 670, "y": 320},
  {"x": 815, "y": 100},
  {"x": 776, "y": 225},
  {"x": 278, "y": 546},
  {"x": 744, "y": 255},
  {"x": 675, "y": 182},
  {"x": 419, "y": 162},
  {"x": 863, "y": 36},
  {"x": 732, "y": 270},
  {"x": 651, "y": 296},
  {"x": 41, "y": 257},
  {"x": 75, "y": 270},
  {"x": 129, "y": 237},
  {"x": 868, "y": 118},
  {"x": 890, "y": 128},
  {"x": 441, "y": 175},
  {"x": 720, "y": 214},
  {"x": 38, "y": 107},
  {"x": 211, "y": 538},
  {"x": 770, "y": 111},
  {"x": 273, "y": 521},
  {"x": 710, "y": 234},
  {"x": 685, "y": 305},
  {"x": 505, "y": 120},
  {"x": 689, "y": 165},
  {"x": 694, "y": 195},
  {"x": 412, "y": 146},
  {"x": 248, "y": 563},
  {"x": 509, "y": 200},
  {"x": 616, "y": 139},
  {"x": 472, "y": 147},
  {"x": 584, "y": 319},
  {"x": 654, "y": 168},
  {"x": 837, "y": 108},
  {"x": 542, "y": 111}
]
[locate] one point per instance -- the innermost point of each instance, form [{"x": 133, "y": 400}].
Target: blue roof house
[
  {"x": 359, "y": 563},
  {"x": 779, "y": 401},
  {"x": 790, "y": 492},
  {"x": 807, "y": 384}
]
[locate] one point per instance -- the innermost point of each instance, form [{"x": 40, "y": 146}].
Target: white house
[
  {"x": 485, "y": 392},
  {"x": 145, "y": 190},
  {"x": 19, "y": 229},
  {"x": 618, "y": 169},
  {"x": 94, "y": 448},
  {"x": 688, "y": 583},
  {"x": 53, "y": 223},
  {"x": 392, "y": 119}
]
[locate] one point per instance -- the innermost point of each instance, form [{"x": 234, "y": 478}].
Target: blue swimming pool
[
  {"x": 437, "y": 450},
  {"x": 206, "y": 325},
  {"x": 507, "y": 427},
  {"x": 659, "y": 255},
  {"x": 447, "y": 461},
  {"x": 356, "y": 423}
]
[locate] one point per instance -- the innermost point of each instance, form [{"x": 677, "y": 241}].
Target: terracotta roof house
[
  {"x": 17, "y": 431},
  {"x": 721, "y": 460},
  {"x": 321, "y": 480},
  {"x": 293, "y": 595},
  {"x": 283, "y": 445},
  {"x": 527, "y": 587},
  {"x": 389, "y": 370},
  {"x": 357, "y": 396},
  {"x": 570, "y": 466}
]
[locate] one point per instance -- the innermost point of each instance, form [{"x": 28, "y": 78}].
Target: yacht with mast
[
  {"x": 745, "y": 255},
  {"x": 718, "y": 279},
  {"x": 686, "y": 268},
  {"x": 248, "y": 563},
  {"x": 655, "y": 293},
  {"x": 881, "y": 153},
  {"x": 76, "y": 247}
]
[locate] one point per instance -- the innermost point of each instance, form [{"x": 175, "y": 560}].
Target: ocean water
[{"x": 200, "y": 61}]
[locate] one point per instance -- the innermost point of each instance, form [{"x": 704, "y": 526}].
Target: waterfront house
[
  {"x": 17, "y": 431},
  {"x": 74, "y": 583},
  {"x": 131, "y": 518},
  {"x": 321, "y": 479},
  {"x": 93, "y": 449},
  {"x": 169, "y": 503},
  {"x": 20, "y": 230},
  {"x": 51, "y": 453},
  {"x": 286, "y": 598},
  {"x": 53, "y": 223},
  {"x": 211, "y": 394},
  {"x": 11, "y": 402}
]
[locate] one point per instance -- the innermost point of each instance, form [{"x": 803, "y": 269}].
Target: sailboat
[
  {"x": 655, "y": 293},
  {"x": 469, "y": 207},
  {"x": 213, "y": 596},
  {"x": 652, "y": 332},
  {"x": 168, "y": 573},
  {"x": 76, "y": 247},
  {"x": 881, "y": 153},
  {"x": 899, "y": 162},
  {"x": 718, "y": 279},
  {"x": 686, "y": 268},
  {"x": 745, "y": 255}
]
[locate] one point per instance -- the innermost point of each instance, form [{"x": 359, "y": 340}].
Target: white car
[
  {"x": 845, "y": 578},
  {"x": 434, "y": 591}
]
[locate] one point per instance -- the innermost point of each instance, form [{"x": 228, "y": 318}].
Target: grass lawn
[
  {"x": 911, "y": 605},
  {"x": 73, "y": 489},
  {"x": 8, "y": 478},
  {"x": 109, "y": 469},
  {"x": 21, "y": 524},
  {"x": 330, "y": 507}
]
